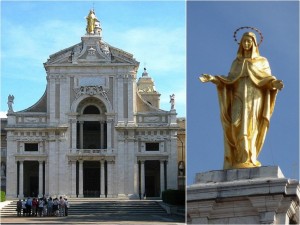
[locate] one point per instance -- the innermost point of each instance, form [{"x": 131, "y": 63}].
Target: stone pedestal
[{"x": 243, "y": 196}]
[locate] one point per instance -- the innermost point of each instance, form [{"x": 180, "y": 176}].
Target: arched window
[{"x": 91, "y": 110}]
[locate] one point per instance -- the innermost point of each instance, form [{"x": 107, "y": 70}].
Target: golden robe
[
  {"x": 246, "y": 100},
  {"x": 91, "y": 19}
]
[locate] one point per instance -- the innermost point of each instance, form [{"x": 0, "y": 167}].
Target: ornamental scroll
[{"x": 90, "y": 90}]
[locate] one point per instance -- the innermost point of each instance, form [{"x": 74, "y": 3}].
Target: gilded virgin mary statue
[
  {"x": 91, "y": 22},
  {"x": 247, "y": 99}
]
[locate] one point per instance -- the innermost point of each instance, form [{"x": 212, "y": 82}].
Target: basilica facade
[{"x": 97, "y": 131}]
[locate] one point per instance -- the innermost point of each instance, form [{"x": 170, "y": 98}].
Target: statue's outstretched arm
[
  {"x": 208, "y": 78},
  {"x": 277, "y": 84}
]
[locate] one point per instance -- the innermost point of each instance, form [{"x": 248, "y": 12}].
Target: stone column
[
  {"x": 21, "y": 180},
  {"x": 162, "y": 177},
  {"x": 80, "y": 179},
  {"x": 109, "y": 179},
  {"x": 46, "y": 177},
  {"x": 40, "y": 178},
  {"x": 81, "y": 134},
  {"x": 73, "y": 179},
  {"x": 142, "y": 178},
  {"x": 102, "y": 181},
  {"x": 102, "y": 135},
  {"x": 136, "y": 178}
]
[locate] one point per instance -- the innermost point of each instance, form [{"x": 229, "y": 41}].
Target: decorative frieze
[
  {"x": 31, "y": 119},
  {"x": 91, "y": 90},
  {"x": 152, "y": 119}
]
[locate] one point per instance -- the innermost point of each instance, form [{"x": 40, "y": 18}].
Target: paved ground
[{"x": 108, "y": 219}]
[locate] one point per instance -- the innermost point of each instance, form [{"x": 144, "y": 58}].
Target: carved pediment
[
  {"x": 63, "y": 56},
  {"x": 120, "y": 56},
  {"x": 91, "y": 50},
  {"x": 91, "y": 53}
]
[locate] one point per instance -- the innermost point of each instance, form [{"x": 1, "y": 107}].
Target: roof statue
[
  {"x": 92, "y": 22},
  {"x": 247, "y": 99},
  {"x": 172, "y": 101},
  {"x": 10, "y": 102}
]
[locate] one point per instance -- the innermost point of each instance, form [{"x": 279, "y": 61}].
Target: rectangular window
[
  {"x": 152, "y": 146},
  {"x": 31, "y": 147}
]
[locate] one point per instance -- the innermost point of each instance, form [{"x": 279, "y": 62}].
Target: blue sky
[
  {"x": 211, "y": 49},
  {"x": 154, "y": 32}
]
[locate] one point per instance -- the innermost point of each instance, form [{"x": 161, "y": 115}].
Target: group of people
[{"x": 43, "y": 206}]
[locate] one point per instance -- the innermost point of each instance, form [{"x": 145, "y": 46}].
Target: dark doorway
[
  {"x": 91, "y": 179},
  {"x": 31, "y": 178},
  {"x": 91, "y": 135},
  {"x": 152, "y": 178}
]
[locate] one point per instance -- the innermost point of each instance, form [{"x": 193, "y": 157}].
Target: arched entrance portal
[
  {"x": 91, "y": 126},
  {"x": 91, "y": 139}
]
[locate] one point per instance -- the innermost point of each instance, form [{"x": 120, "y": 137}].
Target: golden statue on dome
[
  {"x": 247, "y": 99},
  {"x": 92, "y": 22}
]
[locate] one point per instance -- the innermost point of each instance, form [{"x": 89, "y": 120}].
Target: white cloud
[
  {"x": 24, "y": 52},
  {"x": 162, "y": 50},
  {"x": 3, "y": 114},
  {"x": 39, "y": 41}
]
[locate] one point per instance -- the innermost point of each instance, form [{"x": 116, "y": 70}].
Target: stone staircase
[
  {"x": 9, "y": 210},
  {"x": 97, "y": 207}
]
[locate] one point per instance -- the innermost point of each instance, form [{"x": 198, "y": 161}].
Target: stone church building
[{"x": 97, "y": 131}]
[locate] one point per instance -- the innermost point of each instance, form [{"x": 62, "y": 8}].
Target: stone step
[{"x": 84, "y": 207}]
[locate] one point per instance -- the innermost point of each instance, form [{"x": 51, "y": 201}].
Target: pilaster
[
  {"x": 142, "y": 178},
  {"x": 81, "y": 134},
  {"x": 136, "y": 178},
  {"x": 53, "y": 165},
  {"x": 102, "y": 181},
  {"x": 162, "y": 176},
  {"x": 80, "y": 194},
  {"x": 73, "y": 179},
  {"x": 172, "y": 168},
  {"x": 110, "y": 178},
  {"x": 40, "y": 178},
  {"x": 11, "y": 167},
  {"x": 120, "y": 80},
  {"x": 73, "y": 132}
]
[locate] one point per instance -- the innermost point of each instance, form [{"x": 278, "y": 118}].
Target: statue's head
[
  {"x": 250, "y": 35},
  {"x": 248, "y": 43}
]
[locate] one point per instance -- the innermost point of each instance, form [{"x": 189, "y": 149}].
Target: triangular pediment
[{"x": 91, "y": 51}]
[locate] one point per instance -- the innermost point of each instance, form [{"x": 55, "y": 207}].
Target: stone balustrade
[{"x": 89, "y": 151}]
